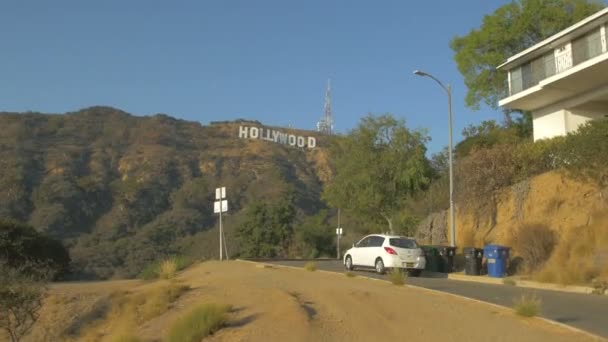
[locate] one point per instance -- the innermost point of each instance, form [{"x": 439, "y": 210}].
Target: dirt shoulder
[
  {"x": 296, "y": 305},
  {"x": 283, "y": 304}
]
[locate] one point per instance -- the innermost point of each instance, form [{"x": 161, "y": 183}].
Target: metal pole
[
  {"x": 338, "y": 243},
  {"x": 221, "y": 232},
  {"x": 452, "y": 217},
  {"x": 225, "y": 246},
  {"x": 448, "y": 90}
]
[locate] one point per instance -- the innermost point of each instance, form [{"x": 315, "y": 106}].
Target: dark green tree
[
  {"x": 509, "y": 30},
  {"x": 21, "y": 244},
  {"x": 267, "y": 230},
  {"x": 378, "y": 166}
]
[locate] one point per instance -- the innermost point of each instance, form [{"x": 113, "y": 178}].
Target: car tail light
[{"x": 390, "y": 250}]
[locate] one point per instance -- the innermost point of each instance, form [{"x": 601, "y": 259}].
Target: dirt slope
[
  {"x": 279, "y": 304},
  {"x": 553, "y": 199}
]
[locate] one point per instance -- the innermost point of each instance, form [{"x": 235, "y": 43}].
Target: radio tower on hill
[{"x": 326, "y": 124}]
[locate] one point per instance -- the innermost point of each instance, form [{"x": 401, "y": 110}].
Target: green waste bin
[{"x": 433, "y": 260}]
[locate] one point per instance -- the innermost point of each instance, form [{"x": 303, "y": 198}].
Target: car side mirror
[{"x": 354, "y": 245}]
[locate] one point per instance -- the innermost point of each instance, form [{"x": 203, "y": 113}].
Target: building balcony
[{"x": 574, "y": 69}]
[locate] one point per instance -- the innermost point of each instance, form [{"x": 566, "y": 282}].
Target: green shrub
[
  {"x": 350, "y": 274},
  {"x": 528, "y": 305},
  {"x": 149, "y": 272},
  {"x": 198, "y": 323},
  {"x": 310, "y": 266},
  {"x": 396, "y": 276}
]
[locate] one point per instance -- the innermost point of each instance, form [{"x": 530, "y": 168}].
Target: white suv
[{"x": 386, "y": 251}]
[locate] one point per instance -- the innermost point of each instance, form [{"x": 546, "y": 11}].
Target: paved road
[{"x": 583, "y": 311}]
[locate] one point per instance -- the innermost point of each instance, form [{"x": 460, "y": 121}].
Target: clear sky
[{"x": 255, "y": 59}]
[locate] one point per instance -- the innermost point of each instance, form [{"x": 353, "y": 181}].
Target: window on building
[
  {"x": 516, "y": 81},
  {"x": 586, "y": 47}
]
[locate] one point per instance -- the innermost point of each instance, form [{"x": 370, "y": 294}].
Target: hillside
[{"x": 121, "y": 191}]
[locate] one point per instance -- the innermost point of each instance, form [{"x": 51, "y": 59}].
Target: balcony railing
[{"x": 532, "y": 73}]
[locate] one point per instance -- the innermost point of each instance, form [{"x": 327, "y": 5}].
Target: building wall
[
  {"x": 549, "y": 123},
  {"x": 576, "y": 117}
]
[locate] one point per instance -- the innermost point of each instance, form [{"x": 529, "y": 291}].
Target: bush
[
  {"x": 158, "y": 301},
  {"x": 310, "y": 266},
  {"x": 534, "y": 243},
  {"x": 23, "y": 245},
  {"x": 198, "y": 323},
  {"x": 165, "y": 269},
  {"x": 396, "y": 276},
  {"x": 528, "y": 305},
  {"x": 580, "y": 256},
  {"x": 21, "y": 296}
]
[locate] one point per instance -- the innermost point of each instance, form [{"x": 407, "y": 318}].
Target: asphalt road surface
[{"x": 584, "y": 311}]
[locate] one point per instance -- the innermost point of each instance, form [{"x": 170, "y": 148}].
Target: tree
[
  {"x": 21, "y": 244},
  {"x": 509, "y": 30},
  {"x": 22, "y": 290},
  {"x": 377, "y": 166},
  {"x": 267, "y": 230}
]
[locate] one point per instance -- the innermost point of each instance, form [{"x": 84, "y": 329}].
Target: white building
[{"x": 562, "y": 80}]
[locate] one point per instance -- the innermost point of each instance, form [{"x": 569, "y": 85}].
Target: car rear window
[{"x": 403, "y": 243}]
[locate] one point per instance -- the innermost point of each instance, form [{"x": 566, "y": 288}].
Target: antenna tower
[{"x": 326, "y": 124}]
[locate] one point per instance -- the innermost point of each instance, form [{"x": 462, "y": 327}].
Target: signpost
[
  {"x": 339, "y": 234},
  {"x": 221, "y": 206}
]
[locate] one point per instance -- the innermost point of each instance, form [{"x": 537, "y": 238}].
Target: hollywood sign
[{"x": 278, "y": 137}]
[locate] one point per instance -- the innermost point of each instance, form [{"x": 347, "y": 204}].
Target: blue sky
[{"x": 222, "y": 60}]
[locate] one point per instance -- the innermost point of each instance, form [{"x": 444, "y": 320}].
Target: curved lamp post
[{"x": 448, "y": 90}]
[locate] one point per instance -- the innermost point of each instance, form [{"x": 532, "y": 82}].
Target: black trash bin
[
  {"x": 446, "y": 254},
  {"x": 472, "y": 260}
]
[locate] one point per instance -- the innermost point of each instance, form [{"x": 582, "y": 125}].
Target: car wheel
[
  {"x": 379, "y": 266},
  {"x": 348, "y": 264},
  {"x": 414, "y": 273}
]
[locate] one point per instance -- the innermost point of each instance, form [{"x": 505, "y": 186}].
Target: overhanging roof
[{"x": 557, "y": 40}]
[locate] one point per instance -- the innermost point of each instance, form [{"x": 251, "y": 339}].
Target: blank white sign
[{"x": 216, "y": 206}]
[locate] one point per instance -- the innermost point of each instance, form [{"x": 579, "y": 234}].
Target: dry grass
[
  {"x": 167, "y": 269},
  {"x": 125, "y": 338},
  {"x": 157, "y": 301},
  {"x": 396, "y": 276},
  {"x": 198, "y": 323},
  {"x": 508, "y": 281},
  {"x": 528, "y": 305},
  {"x": 128, "y": 311},
  {"x": 534, "y": 243},
  {"x": 310, "y": 266},
  {"x": 580, "y": 256}
]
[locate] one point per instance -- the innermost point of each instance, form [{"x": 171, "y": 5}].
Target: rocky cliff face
[{"x": 554, "y": 200}]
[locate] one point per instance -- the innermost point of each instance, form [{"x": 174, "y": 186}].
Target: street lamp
[{"x": 448, "y": 90}]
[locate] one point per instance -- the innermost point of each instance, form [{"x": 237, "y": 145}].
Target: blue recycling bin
[{"x": 496, "y": 258}]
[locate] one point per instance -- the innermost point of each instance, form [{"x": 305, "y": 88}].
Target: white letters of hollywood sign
[{"x": 276, "y": 136}]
